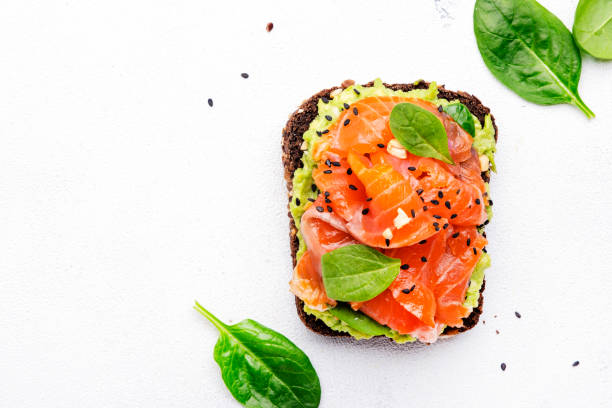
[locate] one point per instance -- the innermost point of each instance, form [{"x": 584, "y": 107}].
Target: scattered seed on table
[
  {"x": 503, "y": 366},
  {"x": 244, "y": 75},
  {"x": 575, "y": 363},
  {"x": 210, "y": 102},
  {"x": 269, "y": 27},
  {"x": 517, "y": 314},
  {"x": 496, "y": 331}
]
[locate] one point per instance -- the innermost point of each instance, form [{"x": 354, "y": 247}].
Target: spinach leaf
[
  {"x": 529, "y": 50},
  {"x": 461, "y": 114},
  {"x": 261, "y": 367},
  {"x": 419, "y": 131},
  {"x": 356, "y": 273},
  {"x": 593, "y": 27},
  {"x": 359, "y": 321}
]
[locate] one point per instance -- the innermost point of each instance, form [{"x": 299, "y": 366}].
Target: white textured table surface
[{"x": 124, "y": 197}]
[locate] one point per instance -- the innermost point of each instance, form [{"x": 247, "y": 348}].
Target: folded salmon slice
[{"x": 417, "y": 209}]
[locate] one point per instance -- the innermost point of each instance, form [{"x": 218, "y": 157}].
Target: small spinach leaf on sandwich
[
  {"x": 593, "y": 27},
  {"x": 261, "y": 367},
  {"x": 420, "y": 132},
  {"x": 359, "y": 321},
  {"x": 530, "y": 51},
  {"x": 356, "y": 273},
  {"x": 461, "y": 114}
]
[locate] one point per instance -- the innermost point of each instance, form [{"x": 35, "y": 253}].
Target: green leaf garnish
[{"x": 356, "y": 273}]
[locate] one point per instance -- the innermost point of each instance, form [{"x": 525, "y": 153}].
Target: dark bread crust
[{"x": 293, "y": 131}]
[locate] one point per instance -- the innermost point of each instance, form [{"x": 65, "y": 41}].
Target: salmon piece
[
  {"x": 370, "y": 127},
  {"x": 385, "y": 309},
  {"x": 308, "y": 285}
]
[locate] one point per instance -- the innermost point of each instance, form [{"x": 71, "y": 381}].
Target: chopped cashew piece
[
  {"x": 484, "y": 162},
  {"x": 395, "y": 148},
  {"x": 387, "y": 234},
  {"x": 401, "y": 219}
]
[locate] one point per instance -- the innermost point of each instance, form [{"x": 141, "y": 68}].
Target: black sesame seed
[
  {"x": 335, "y": 163},
  {"x": 435, "y": 224},
  {"x": 422, "y": 242},
  {"x": 244, "y": 75},
  {"x": 475, "y": 251},
  {"x": 490, "y": 202},
  {"x": 380, "y": 145},
  {"x": 355, "y": 111},
  {"x": 440, "y": 108},
  {"x": 437, "y": 217},
  {"x": 486, "y": 222},
  {"x": 328, "y": 163},
  {"x": 349, "y": 171},
  {"x": 356, "y": 91},
  {"x": 419, "y": 191},
  {"x": 387, "y": 241},
  {"x": 297, "y": 201},
  {"x": 327, "y": 200},
  {"x": 346, "y": 122},
  {"x": 352, "y": 187},
  {"x": 435, "y": 202},
  {"x": 328, "y": 117},
  {"x": 517, "y": 314},
  {"x": 503, "y": 366},
  {"x": 425, "y": 208},
  {"x": 325, "y": 100},
  {"x": 365, "y": 211},
  {"x": 325, "y": 131},
  {"x": 312, "y": 200},
  {"x": 484, "y": 250},
  {"x": 405, "y": 266},
  {"x": 369, "y": 199},
  {"x": 468, "y": 242},
  {"x": 346, "y": 105},
  {"x": 423, "y": 259},
  {"x": 413, "y": 213},
  {"x": 453, "y": 216},
  {"x": 319, "y": 133},
  {"x": 412, "y": 168},
  {"x": 329, "y": 208},
  {"x": 447, "y": 204},
  {"x": 455, "y": 235},
  {"x": 327, "y": 172},
  {"x": 313, "y": 187},
  {"x": 210, "y": 102},
  {"x": 477, "y": 201},
  {"x": 320, "y": 209},
  {"x": 445, "y": 226},
  {"x": 326, "y": 194},
  {"x": 440, "y": 194},
  {"x": 458, "y": 191},
  {"x": 407, "y": 291},
  {"x": 575, "y": 363}
]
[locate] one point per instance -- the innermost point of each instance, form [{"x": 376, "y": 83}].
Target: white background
[{"x": 124, "y": 197}]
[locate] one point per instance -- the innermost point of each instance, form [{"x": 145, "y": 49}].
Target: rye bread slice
[{"x": 298, "y": 123}]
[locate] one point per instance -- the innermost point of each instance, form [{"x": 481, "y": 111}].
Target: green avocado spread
[{"x": 342, "y": 318}]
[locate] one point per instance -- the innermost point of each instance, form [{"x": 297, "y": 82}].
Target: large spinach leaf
[
  {"x": 261, "y": 367},
  {"x": 529, "y": 50},
  {"x": 356, "y": 273},
  {"x": 419, "y": 131},
  {"x": 593, "y": 27}
]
